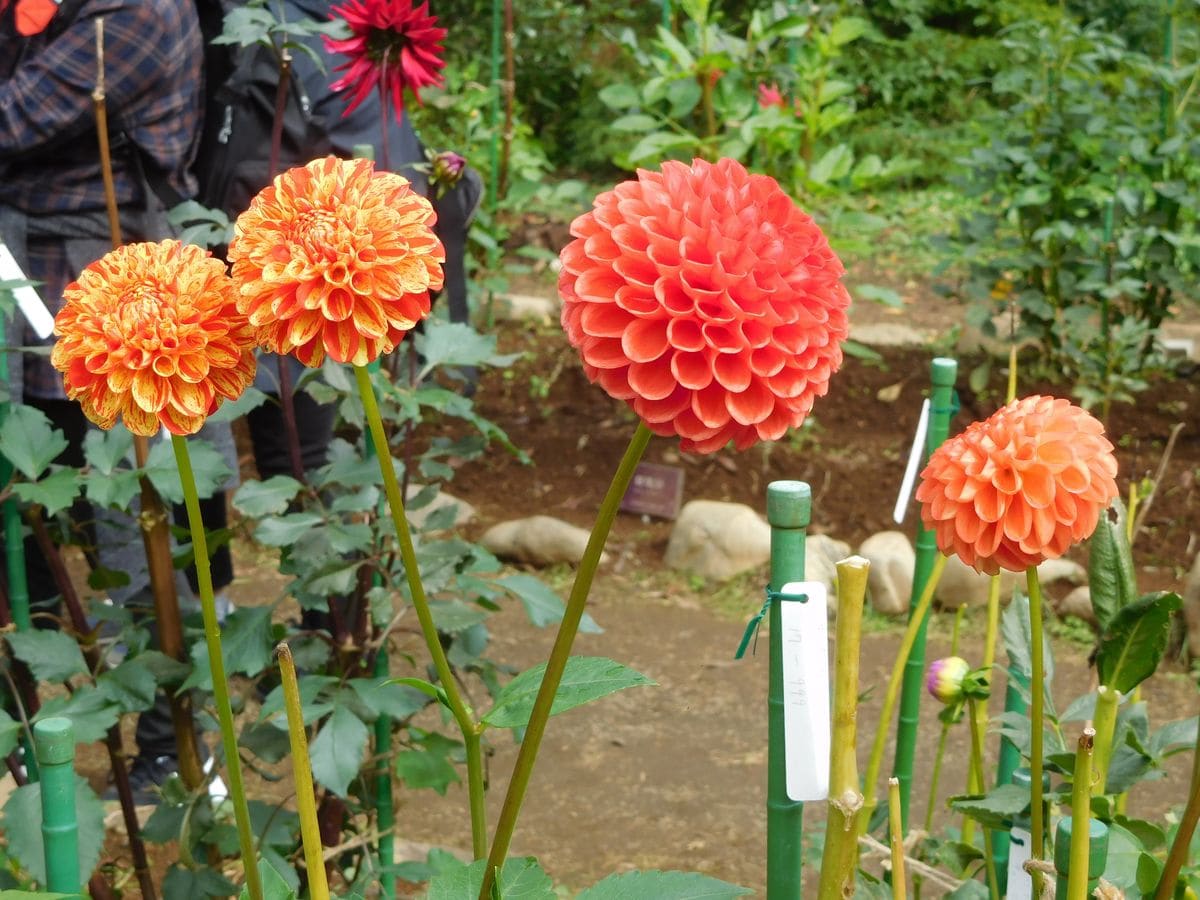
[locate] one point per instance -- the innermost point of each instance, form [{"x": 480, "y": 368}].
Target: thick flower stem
[
  {"x": 216, "y": 663},
  {"x": 1081, "y": 814},
  {"x": 840, "y": 859},
  {"x": 559, "y": 653},
  {"x": 977, "y": 766},
  {"x": 1037, "y": 703},
  {"x": 306, "y": 801},
  {"x": 1183, "y": 835},
  {"x": 408, "y": 555},
  {"x": 1104, "y": 721},
  {"x": 896, "y": 830},
  {"x": 915, "y": 622}
]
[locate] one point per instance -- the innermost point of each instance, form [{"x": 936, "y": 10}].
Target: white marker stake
[
  {"x": 806, "y": 723},
  {"x": 914, "y": 460},
  {"x": 28, "y": 301}
]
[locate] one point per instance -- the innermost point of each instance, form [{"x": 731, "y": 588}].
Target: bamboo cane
[{"x": 55, "y": 740}]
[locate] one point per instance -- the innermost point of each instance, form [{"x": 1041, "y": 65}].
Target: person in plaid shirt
[{"x": 53, "y": 215}]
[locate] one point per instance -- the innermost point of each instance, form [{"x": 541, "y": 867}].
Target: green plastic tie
[
  {"x": 953, "y": 409},
  {"x": 755, "y": 622}
]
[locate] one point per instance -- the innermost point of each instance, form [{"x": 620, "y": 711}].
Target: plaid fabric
[{"x": 49, "y": 158}]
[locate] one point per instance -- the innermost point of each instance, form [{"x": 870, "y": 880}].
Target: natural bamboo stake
[
  {"x": 840, "y": 858},
  {"x": 1081, "y": 814},
  {"x": 899, "y": 888},
  {"x": 1037, "y": 705}
]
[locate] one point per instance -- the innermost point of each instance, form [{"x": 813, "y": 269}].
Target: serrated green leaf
[
  {"x": 454, "y": 616},
  {"x": 10, "y": 732},
  {"x": 994, "y": 809},
  {"x": 196, "y": 883},
  {"x": 131, "y": 685},
  {"x": 1134, "y": 644},
  {"x": 266, "y": 498},
  {"x": 284, "y": 530},
  {"x": 91, "y": 713},
  {"x": 106, "y": 450},
  {"x": 23, "y": 828},
  {"x": 542, "y": 605},
  {"x": 1111, "y": 581},
  {"x": 426, "y": 769},
  {"x": 619, "y": 96},
  {"x": 246, "y": 640},
  {"x": 386, "y": 698},
  {"x": 1175, "y": 736},
  {"x": 457, "y": 344},
  {"x": 274, "y": 886},
  {"x": 337, "y": 752},
  {"x": 585, "y": 678},
  {"x": 208, "y": 468},
  {"x": 50, "y": 655},
  {"x": 251, "y": 398},
  {"x": 116, "y": 490},
  {"x": 520, "y": 879},
  {"x": 662, "y": 886},
  {"x": 28, "y": 441},
  {"x": 55, "y": 492}
]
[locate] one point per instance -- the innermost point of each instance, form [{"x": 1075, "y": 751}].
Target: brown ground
[{"x": 673, "y": 776}]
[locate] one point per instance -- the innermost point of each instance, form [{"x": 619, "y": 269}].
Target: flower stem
[
  {"x": 1081, "y": 815},
  {"x": 1037, "y": 702},
  {"x": 216, "y": 663},
  {"x": 899, "y": 887},
  {"x": 559, "y": 653},
  {"x": 840, "y": 858},
  {"x": 1183, "y": 835},
  {"x": 915, "y": 621},
  {"x": 1104, "y": 721},
  {"x": 977, "y": 767},
  {"x": 306, "y": 801},
  {"x": 408, "y": 554}
]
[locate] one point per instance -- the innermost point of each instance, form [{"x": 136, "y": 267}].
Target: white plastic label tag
[
  {"x": 1020, "y": 885},
  {"x": 805, "y": 640},
  {"x": 27, "y": 298},
  {"x": 914, "y": 460}
]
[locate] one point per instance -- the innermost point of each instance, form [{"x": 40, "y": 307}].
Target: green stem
[
  {"x": 1104, "y": 721},
  {"x": 896, "y": 829},
  {"x": 216, "y": 663},
  {"x": 915, "y": 623},
  {"x": 1081, "y": 814},
  {"x": 306, "y": 800},
  {"x": 935, "y": 777},
  {"x": 559, "y": 653},
  {"x": 977, "y": 768},
  {"x": 1183, "y": 835},
  {"x": 412, "y": 572},
  {"x": 476, "y": 792},
  {"x": 385, "y": 814},
  {"x": 1037, "y": 703}
]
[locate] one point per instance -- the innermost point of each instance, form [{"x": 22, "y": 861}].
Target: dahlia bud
[
  {"x": 447, "y": 169},
  {"x": 945, "y": 679}
]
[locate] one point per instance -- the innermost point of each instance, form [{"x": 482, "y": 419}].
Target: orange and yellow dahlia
[
  {"x": 703, "y": 297},
  {"x": 336, "y": 258},
  {"x": 150, "y": 333},
  {"x": 1020, "y": 487}
]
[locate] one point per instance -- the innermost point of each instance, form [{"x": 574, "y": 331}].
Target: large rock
[
  {"x": 961, "y": 584},
  {"x": 893, "y": 560},
  {"x": 537, "y": 540},
  {"x": 1078, "y": 605},
  {"x": 718, "y": 540},
  {"x": 1191, "y": 609}
]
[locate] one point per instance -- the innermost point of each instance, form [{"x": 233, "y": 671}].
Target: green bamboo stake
[
  {"x": 1095, "y": 857},
  {"x": 789, "y": 510},
  {"x": 1007, "y": 764},
  {"x": 216, "y": 663},
  {"x": 55, "y": 741},
  {"x": 666, "y": 14},
  {"x": 942, "y": 374}
]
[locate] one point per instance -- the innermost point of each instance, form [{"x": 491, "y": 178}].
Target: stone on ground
[
  {"x": 961, "y": 584},
  {"x": 717, "y": 540},
  {"x": 1077, "y": 604},
  {"x": 893, "y": 560},
  {"x": 538, "y": 541}
]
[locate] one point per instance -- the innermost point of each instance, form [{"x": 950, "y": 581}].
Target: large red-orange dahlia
[
  {"x": 336, "y": 258},
  {"x": 150, "y": 333},
  {"x": 702, "y": 296},
  {"x": 1020, "y": 487},
  {"x": 392, "y": 43}
]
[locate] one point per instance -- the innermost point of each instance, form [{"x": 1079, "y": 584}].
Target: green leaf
[
  {"x": 880, "y": 294},
  {"x": 426, "y": 769},
  {"x": 861, "y": 351},
  {"x": 619, "y": 96},
  {"x": 994, "y": 809},
  {"x": 457, "y": 344},
  {"x": 50, "y": 655},
  {"x": 542, "y": 605},
  {"x": 1172, "y": 737},
  {"x": 662, "y": 886},
  {"x": 834, "y": 165},
  {"x": 1110, "y": 566},
  {"x": 1124, "y": 852},
  {"x": 266, "y": 498},
  {"x": 586, "y": 678},
  {"x": 847, "y": 30},
  {"x": 520, "y": 879},
  {"x": 10, "y": 732},
  {"x": 116, "y": 490},
  {"x": 90, "y": 712},
  {"x": 29, "y": 442},
  {"x": 251, "y": 398},
  {"x": 637, "y": 122},
  {"x": 454, "y": 616},
  {"x": 338, "y": 751},
  {"x": 55, "y": 492},
  {"x": 196, "y": 883},
  {"x": 106, "y": 450},
  {"x": 284, "y": 530},
  {"x": 208, "y": 467},
  {"x": 683, "y": 94},
  {"x": 386, "y": 698},
  {"x": 246, "y": 640},
  {"x": 23, "y": 828},
  {"x": 274, "y": 886},
  {"x": 679, "y": 53},
  {"x": 310, "y": 688},
  {"x": 131, "y": 686},
  {"x": 1134, "y": 644}
]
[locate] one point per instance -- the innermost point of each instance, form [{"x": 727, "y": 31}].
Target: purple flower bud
[
  {"x": 448, "y": 167},
  {"x": 945, "y": 680}
]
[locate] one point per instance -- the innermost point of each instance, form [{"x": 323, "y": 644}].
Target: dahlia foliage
[
  {"x": 151, "y": 334},
  {"x": 1020, "y": 487},
  {"x": 336, "y": 259},
  {"x": 707, "y": 300},
  {"x": 392, "y": 44}
]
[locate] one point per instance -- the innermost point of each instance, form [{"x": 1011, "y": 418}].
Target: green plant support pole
[
  {"x": 942, "y": 374},
  {"x": 55, "y": 740},
  {"x": 1097, "y": 855},
  {"x": 1009, "y": 761},
  {"x": 666, "y": 14},
  {"x": 789, "y": 510}
]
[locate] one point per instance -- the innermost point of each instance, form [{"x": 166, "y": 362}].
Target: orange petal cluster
[
  {"x": 150, "y": 333},
  {"x": 336, "y": 258},
  {"x": 702, "y": 296},
  {"x": 1020, "y": 487}
]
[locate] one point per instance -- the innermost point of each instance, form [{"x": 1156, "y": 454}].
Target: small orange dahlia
[
  {"x": 336, "y": 258},
  {"x": 703, "y": 297},
  {"x": 1020, "y": 487},
  {"x": 151, "y": 333}
]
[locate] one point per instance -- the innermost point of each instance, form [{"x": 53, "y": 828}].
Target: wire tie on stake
[{"x": 755, "y": 622}]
